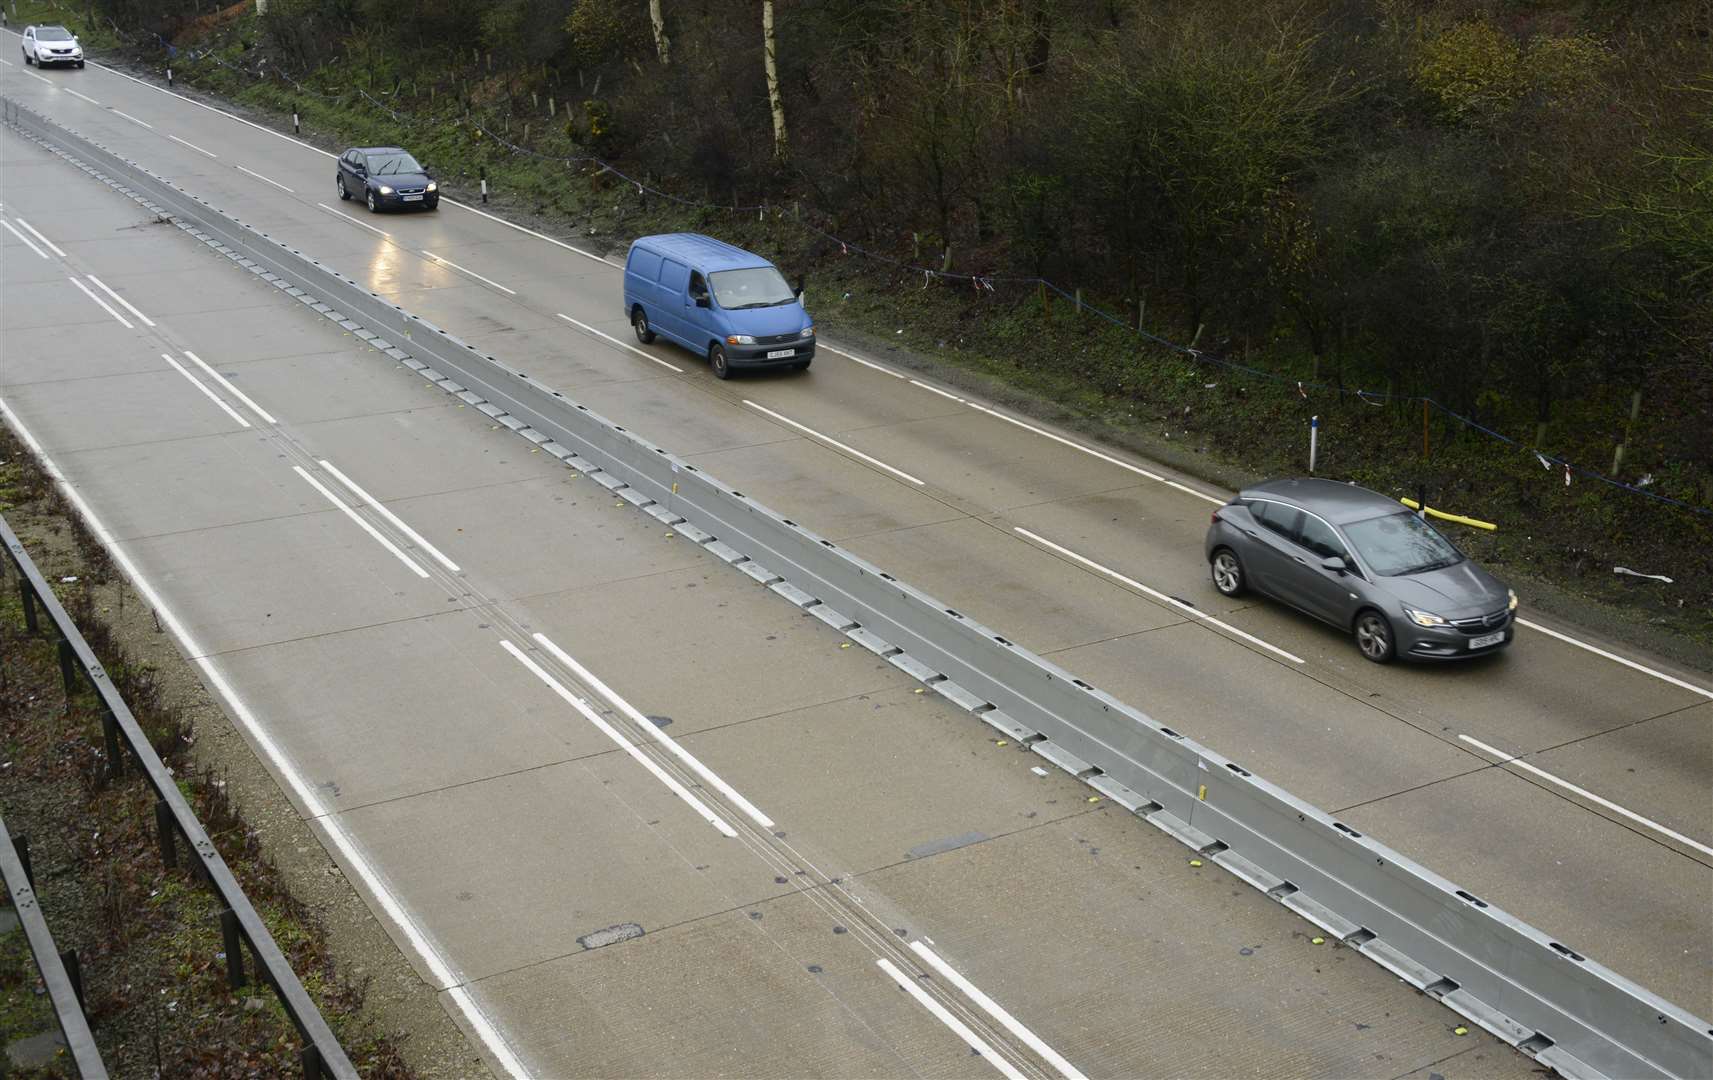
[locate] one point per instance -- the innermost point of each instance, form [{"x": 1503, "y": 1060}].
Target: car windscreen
[
  {"x": 52, "y": 33},
  {"x": 761, "y": 286},
  {"x": 1401, "y": 543},
  {"x": 393, "y": 164}
]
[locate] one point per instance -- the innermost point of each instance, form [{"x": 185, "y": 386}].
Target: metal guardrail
[
  {"x": 1537, "y": 994},
  {"x": 240, "y": 926},
  {"x": 60, "y": 971}
]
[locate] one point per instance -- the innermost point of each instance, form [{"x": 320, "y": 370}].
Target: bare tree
[
  {"x": 773, "y": 97},
  {"x": 662, "y": 43}
]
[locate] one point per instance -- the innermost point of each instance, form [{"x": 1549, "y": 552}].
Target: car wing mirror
[{"x": 1336, "y": 564}]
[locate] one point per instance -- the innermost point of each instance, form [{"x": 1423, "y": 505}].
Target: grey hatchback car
[{"x": 1362, "y": 562}]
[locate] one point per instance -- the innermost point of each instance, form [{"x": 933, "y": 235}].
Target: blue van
[{"x": 718, "y": 301}]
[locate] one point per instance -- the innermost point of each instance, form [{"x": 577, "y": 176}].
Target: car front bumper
[
  {"x": 1451, "y": 642},
  {"x": 398, "y": 202},
  {"x": 58, "y": 58}
]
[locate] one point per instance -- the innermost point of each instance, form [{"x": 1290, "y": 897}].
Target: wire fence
[{"x": 1552, "y": 462}]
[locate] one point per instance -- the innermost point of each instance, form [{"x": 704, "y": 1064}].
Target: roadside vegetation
[
  {"x": 1346, "y": 206},
  {"x": 147, "y": 937}
]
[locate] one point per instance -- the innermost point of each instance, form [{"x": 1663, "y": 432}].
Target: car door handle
[
  {"x": 1248, "y": 532},
  {"x": 1300, "y": 559}
]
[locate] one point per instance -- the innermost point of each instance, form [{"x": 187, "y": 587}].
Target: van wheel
[
  {"x": 717, "y": 362},
  {"x": 639, "y": 323}
]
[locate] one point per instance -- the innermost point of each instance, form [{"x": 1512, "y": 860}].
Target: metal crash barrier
[{"x": 1540, "y": 995}]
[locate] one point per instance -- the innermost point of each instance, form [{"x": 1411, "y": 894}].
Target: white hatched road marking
[
  {"x": 390, "y": 516},
  {"x": 233, "y": 390},
  {"x": 105, "y": 306},
  {"x": 128, "y": 305},
  {"x": 339, "y": 504},
  {"x": 211, "y": 395}
]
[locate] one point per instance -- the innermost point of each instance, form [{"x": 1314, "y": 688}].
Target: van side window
[
  {"x": 645, "y": 264},
  {"x": 1318, "y": 537},
  {"x": 672, "y": 275},
  {"x": 698, "y": 286}
]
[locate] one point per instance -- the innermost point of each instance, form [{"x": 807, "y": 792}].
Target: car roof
[
  {"x": 1336, "y": 502},
  {"x": 47, "y": 26},
  {"x": 704, "y": 252},
  {"x": 378, "y": 149}
]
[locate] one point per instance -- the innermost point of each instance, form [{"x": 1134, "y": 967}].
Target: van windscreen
[{"x": 761, "y": 286}]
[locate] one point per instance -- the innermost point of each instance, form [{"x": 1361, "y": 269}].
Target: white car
[{"x": 44, "y": 45}]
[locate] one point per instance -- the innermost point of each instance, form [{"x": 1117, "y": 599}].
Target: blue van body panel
[{"x": 657, "y": 276}]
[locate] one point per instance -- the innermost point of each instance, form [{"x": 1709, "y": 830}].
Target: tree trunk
[
  {"x": 773, "y": 97},
  {"x": 662, "y": 44}
]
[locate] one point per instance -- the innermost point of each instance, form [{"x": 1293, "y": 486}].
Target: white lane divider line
[
  {"x": 944, "y": 1016},
  {"x": 128, "y": 305},
  {"x": 37, "y": 233},
  {"x": 708, "y": 775},
  {"x": 1511, "y": 759},
  {"x": 617, "y": 737},
  {"x": 521, "y": 229},
  {"x": 265, "y": 180},
  {"x": 1156, "y": 594},
  {"x": 1595, "y": 649},
  {"x": 375, "y": 505},
  {"x": 937, "y": 390},
  {"x": 616, "y": 341},
  {"x": 353, "y": 220},
  {"x": 993, "y": 1009},
  {"x": 233, "y": 390},
  {"x": 27, "y": 241},
  {"x": 105, "y": 306},
  {"x": 40, "y": 78},
  {"x": 1108, "y": 458},
  {"x": 339, "y": 504},
  {"x": 441, "y": 973},
  {"x": 830, "y": 441},
  {"x": 85, "y": 97},
  {"x": 133, "y": 119},
  {"x": 192, "y": 145},
  {"x": 865, "y": 363},
  {"x": 8, "y": 63},
  {"x": 212, "y": 396},
  {"x": 471, "y": 273}
]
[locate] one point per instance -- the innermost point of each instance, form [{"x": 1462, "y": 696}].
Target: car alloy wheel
[
  {"x": 639, "y": 323},
  {"x": 1374, "y": 637},
  {"x": 372, "y": 207},
  {"x": 717, "y": 361},
  {"x": 343, "y": 194},
  {"x": 1227, "y": 573}
]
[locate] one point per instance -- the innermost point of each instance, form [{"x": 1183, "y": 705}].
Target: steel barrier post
[
  {"x": 229, "y": 936},
  {"x": 21, "y": 844},
  {"x": 29, "y": 600},
  {"x": 164, "y": 825},
  {"x": 311, "y": 1063},
  {"x": 67, "y": 670},
  {"x": 110, "y": 733},
  {"x": 74, "y": 972}
]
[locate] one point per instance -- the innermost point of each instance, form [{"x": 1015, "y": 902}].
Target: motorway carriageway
[{"x": 1598, "y": 834}]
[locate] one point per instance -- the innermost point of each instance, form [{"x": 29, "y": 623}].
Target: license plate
[
  {"x": 413, "y": 198},
  {"x": 780, "y": 354},
  {"x": 1486, "y": 639}
]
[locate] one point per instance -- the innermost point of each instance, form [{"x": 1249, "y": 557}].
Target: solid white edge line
[
  {"x": 85, "y": 97},
  {"x": 472, "y": 273},
  {"x": 616, "y": 341},
  {"x": 353, "y": 220},
  {"x": 865, "y": 363},
  {"x": 1156, "y": 594},
  {"x": 233, "y": 390},
  {"x": 25, "y": 239},
  {"x": 1691, "y": 687},
  {"x": 37, "y": 233},
  {"x": 264, "y": 179},
  {"x": 105, "y": 306},
  {"x": 240, "y": 711},
  {"x": 944, "y": 1016},
  {"x": 390, "y": 516},
  {"x": 128, "y": 305},
  {"x": 1512, "y": 759},
  {"x": 212, "y": 396},
  {"x": 1108, "y": 458},
  {"x": 707, "y": 774},
  {"x": 617, "y": 737},
  {"x": 192, "y": 145},
  {"x": 993, "y": 1009},
  {"x": 354, "y": 516},
  {"x": 937, "y": 390},
  {"x": 830, "y": 441},
  {"x": 134, "y": 120}
]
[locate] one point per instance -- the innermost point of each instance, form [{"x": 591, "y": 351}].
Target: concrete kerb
[{"x": 1539, "y": 995}]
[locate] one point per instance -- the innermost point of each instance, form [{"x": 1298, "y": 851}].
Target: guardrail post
[
  {"x": 167, "y": 829},
  {"x": 29, "y": 601},
  {"x": 21, "y": 844},
  {"x": 67, "y": 669},
  {"x": 311, "y": 1063},
  {"x": 234, "y": 943},
  {"x": 110, "y": 734},
  {"x": 74, "y": 972}
]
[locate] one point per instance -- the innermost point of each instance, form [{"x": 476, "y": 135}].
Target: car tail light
[{"x": 1216, "y": 518}]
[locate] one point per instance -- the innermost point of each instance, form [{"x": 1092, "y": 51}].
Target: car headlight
[
  {"x": 385, "y": 190},
  {"x": 1424, "y": 618},
  {"x": 1513, "y": 593},
  {"x": 808, "y": 331},
  {"x": 433, "y": 186},
  {"x": 740, "y": 339}
]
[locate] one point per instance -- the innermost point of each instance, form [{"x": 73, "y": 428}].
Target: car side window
[
  {"x": 1318, "y": 537},
  {"x": 1276, "y": 517}
]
